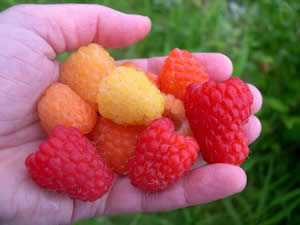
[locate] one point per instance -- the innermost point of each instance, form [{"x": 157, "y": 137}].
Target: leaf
[
  {"x": 232, "y": 212},
  {"x": 276, "y": 104},
  {"x": 240, "y": 65},
  {"x": 265, "y": 192},
  {"x": 291, "y": 121},
  {"x": 275, "y": 219}
]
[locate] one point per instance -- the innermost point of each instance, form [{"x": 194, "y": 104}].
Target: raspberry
[
  {"x": 180, "y": 69},
  {"x": 68, "y": 163},
  {"x": 151, "y": 76},
  {"x": 161, "y": 157},
  {"x": 217, "y": 114},
  {"x": 84, "y": 70},
  {"x": 127, "y": 97},
  {"x": 131, "y": 65},
  {"x": 115, "y": 143},
  {"x": 174, "y": 110},
  {"x": 61, "y": 106},
  {"x": 185, "y": 129}
]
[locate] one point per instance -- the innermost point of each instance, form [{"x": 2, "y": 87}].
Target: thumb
[
  {"x": 32, "y": 35},
  {"x": 66, "y": 27}
]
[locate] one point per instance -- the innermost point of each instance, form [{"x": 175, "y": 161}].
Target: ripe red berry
[
  {"x": 161, "y": 157},
  {"x": 180, "y": 69},
  {"x": 68, "y": 163},
  {"x": 217, "y": 113}
]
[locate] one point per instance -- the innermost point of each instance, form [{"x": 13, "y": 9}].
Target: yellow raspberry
[
  {"x": 174, "y": 109},
  {"x": 84, "y": 70},
  {"x": 126, "y": 96}
]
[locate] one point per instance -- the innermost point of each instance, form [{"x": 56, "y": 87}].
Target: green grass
[{"x": 262, "y": 39}]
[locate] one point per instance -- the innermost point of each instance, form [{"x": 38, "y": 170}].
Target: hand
[{"x": 30, "y": 38}]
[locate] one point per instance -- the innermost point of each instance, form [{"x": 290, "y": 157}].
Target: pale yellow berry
[{"x": 126, "y": 96}]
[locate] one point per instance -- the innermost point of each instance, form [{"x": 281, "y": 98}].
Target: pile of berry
[{"x": 102, "y": 118}]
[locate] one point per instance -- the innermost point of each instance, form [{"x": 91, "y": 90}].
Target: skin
[{"x": 30, "y": 38}]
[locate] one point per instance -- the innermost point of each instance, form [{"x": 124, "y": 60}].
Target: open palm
[{"x": 30, "y": 38}]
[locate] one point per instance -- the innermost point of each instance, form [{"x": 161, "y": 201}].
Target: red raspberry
[
  {"x": 161, "y": 157},
  {"x": 68, "y": 163},
  {"x": 217, "y": 114},
  {"x": 179, "y": 70},
  {"x": 115, "y": 143}
]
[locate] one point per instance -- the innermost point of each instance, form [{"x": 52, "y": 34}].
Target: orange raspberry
[
  {"x": 84, "y": 70},
  {"x": 151, "y": 76},
  {"x": 115, "y": 143},
  {"x": 174, "y": 109},
  {"x": 60, "y": 105},
  {"x": 185, "y": 129},
  {"x": 180, "y": 69},
  {"x": 131, "y": 65}
]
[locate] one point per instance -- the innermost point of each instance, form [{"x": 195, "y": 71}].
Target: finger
[
  {"x": 205, "y": 184},
  {"x": 257, "y": 99},
  {"x": 218, "y": 66},
  {"x": 199, "y": 186},
  {"x": 67, "y": 27},
  {"x": 21, "y": 197},
  {"x": 253, "y": 128},
  {"x": 9, "y": 140}
]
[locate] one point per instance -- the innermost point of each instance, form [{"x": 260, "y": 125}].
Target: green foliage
[{"x": 262, "y": 40}]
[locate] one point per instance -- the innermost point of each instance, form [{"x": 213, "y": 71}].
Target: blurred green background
[{"x": 262, "y": 38}]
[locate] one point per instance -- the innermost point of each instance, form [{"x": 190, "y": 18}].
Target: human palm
[{"x": 30, "y": 38}]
